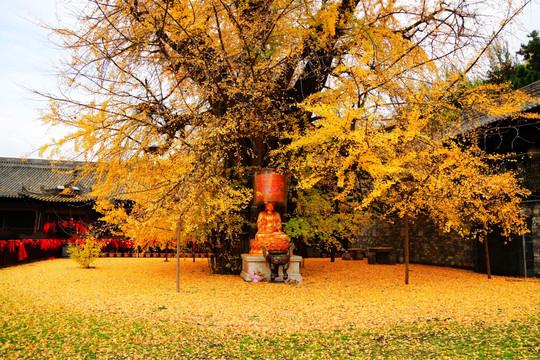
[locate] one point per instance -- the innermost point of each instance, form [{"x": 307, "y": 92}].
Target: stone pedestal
[{"x": 254, "y": 263}]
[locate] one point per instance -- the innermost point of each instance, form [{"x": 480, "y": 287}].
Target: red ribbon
[
  {"x": 22, "y": 251},
  {"x": 19, "y": 246}
]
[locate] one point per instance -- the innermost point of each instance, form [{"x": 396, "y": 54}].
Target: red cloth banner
[
  {"x": 19, "y": 247},
  {"x": 270, "y": 188},
  {"x": 21, "y": 250}
]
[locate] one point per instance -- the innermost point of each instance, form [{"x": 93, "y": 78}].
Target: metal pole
[
  {"x": 523, "y": 244},
  {"x": 178, "y": 256},
  {"x": 406, "y": 249}
]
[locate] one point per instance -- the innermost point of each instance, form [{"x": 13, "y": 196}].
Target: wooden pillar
[{"x": 37, "y": 218}]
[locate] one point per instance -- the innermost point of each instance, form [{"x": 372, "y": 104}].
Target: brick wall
[
  {"x": 534, "y": 211},
  {"x": 427, "y": 244}
]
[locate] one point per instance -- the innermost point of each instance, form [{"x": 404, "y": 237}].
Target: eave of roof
[
  {"x": 58, "y": 198},
  {"x": 474, "y": 122}
]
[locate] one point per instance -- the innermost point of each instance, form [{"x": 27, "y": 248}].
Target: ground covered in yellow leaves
[{"x": 345, "y": 297}]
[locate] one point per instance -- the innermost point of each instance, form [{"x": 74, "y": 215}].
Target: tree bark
[{"x": 486, "y": 248}]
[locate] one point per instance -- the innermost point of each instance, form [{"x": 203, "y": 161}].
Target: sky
[
  {"x": 26, "y": 62},
  {"x": 28, "y": 59}
]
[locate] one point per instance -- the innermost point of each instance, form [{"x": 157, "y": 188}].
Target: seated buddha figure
[{"x": 269, "y": 233}]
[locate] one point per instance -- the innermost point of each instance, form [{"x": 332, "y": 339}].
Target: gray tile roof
[
  {"x": 472, "y": 122},
  {"x": 43, "y": 180}
]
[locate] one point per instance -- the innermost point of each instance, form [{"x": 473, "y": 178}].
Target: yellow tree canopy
[
  {"x": 176, "y": 101},
  {"x": 412, "y": 169}
]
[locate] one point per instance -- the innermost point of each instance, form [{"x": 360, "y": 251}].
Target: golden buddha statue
[{"x": 269, "y": 233}]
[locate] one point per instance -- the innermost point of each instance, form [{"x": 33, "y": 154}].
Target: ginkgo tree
[
  {"x": 417, "y": 167},
  {"x": 320, "y": 219},
  {"x": 483, "y": 198},
  {"x": 174, "y": 103}
]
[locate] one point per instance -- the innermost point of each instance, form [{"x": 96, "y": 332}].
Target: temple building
[{"x": 43, "y": 199}]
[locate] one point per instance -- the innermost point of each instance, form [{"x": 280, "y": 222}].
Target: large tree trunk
[{"x": 225, "y": 250}]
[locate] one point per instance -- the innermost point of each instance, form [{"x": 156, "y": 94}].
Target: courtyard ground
[{"x": 129, "y": 308}]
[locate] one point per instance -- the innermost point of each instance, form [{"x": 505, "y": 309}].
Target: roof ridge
[{"x": 42, "y": 162}]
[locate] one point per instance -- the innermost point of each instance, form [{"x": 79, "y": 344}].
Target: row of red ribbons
[
  {"x": 63, "y": 225},
  {"x": 20, "y": 246}
]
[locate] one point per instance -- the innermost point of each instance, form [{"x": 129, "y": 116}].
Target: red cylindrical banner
[{"x": 270, "y": 187}]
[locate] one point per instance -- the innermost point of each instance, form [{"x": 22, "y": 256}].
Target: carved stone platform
[{"x": 254, "y": 263}]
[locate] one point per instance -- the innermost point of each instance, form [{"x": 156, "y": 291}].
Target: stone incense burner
[{"x": 275, "y": 259}]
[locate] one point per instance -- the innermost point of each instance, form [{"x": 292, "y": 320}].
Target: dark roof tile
[{"x": 41, "y": 179}]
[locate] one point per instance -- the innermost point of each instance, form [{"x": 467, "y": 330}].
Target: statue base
[{"x": 253, "y": 263}]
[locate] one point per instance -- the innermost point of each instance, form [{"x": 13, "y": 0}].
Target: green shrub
[{"x": 85, "y": 251}]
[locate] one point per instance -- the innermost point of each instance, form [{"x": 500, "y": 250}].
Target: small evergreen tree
[
  {"x": 502, "y": 65},
  {"x": 504, "y": 69}
]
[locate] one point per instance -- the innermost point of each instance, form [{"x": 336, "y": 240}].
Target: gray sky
[{"x": 28, "y": 58}]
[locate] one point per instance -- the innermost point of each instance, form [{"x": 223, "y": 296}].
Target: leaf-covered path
[
  {"x": 344, "y": 294},
  {"x": 129, "y": 309}
]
